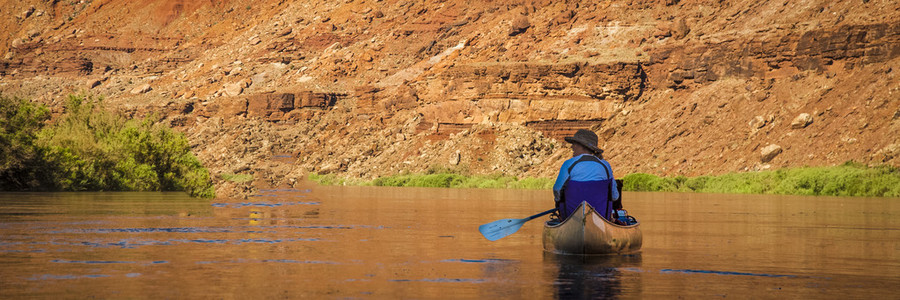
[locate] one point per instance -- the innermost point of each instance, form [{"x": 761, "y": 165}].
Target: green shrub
[
  {"x": 849, "y": 179},
  {"x": 437, "y": 180},
  {"x": 398, "y": 180},
  {"x": 442, "y": 178},
  {"x": 326, "y": 179},
  {"x": 493, "y": 181},
  {"x": 642, "y": 182},
  {"x": 20, "y": 121},
  {"x": 533, "y": 183},
  {"x": 696, "y": 183},
  {"x": 90, "y": 149},
  {"x": 237, "y": 177}
]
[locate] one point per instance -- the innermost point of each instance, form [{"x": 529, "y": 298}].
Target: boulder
[
  {"x": 663, "y": 30},
  {"x": 759, "y": 96},
  {"x": 769, "y": 152},
  {"x": 681, "y": 29},
  {"x": 455, "y": 158},
  {"x": 141, "y": 89},
  {"x": 28, "y": 12},
  {"x": 285, "y": 31},
  {"x": 801, "y": 121},
  {"x": 519, "y": 25},
  {"x": 758, "y": 122},
  {"x": 234, "y": 89}
]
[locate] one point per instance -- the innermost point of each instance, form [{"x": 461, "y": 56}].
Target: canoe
[{"x": 585, "y": 232}]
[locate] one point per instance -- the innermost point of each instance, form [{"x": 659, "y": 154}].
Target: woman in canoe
[{"x": 585, "y": 177}]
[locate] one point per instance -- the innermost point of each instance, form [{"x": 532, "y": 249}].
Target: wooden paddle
[{"x": 501, "y": 228}]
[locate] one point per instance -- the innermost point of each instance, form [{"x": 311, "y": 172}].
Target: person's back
[{"x": 585, "y": 178}]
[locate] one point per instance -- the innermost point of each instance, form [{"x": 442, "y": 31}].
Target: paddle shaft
[{"x": 540, "y": 214}]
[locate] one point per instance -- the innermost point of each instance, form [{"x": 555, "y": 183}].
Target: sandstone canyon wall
[{"x": 363, "y": 89}]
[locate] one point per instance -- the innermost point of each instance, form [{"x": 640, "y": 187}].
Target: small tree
[{"x": 20, "y": 120}]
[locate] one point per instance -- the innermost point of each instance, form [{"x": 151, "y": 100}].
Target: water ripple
[
  {"x": 481, "y": 261},
  {"x": 722, "y": 273},
  {"x": 132, "y": 244},
  {"x": 242, "y": 229},
  {"x": 262, "y": 204},
  {"x": 54, "y": 277},
  {"x": 106, "y": 262},
  {"x": 287, "y": 261},
  {"x": 146, "y": 230},
  {"x": 469, "y": 280}
]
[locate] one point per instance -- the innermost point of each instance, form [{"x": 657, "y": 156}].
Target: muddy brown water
[{"x": 419, "y": 243}]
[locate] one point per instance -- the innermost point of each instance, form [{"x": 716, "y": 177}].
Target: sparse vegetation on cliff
[
  {"x": 849, "y": 179},
  {"x": 89, "y": 148}
]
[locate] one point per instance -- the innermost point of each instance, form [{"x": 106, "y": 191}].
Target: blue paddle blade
[{"x": 501, "y": 228}]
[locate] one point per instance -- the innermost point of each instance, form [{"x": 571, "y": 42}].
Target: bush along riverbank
[
  {"x": 90, "y": 149},
  {"x": 849, "y": 179},
  {"x": 439, "y": 177}
]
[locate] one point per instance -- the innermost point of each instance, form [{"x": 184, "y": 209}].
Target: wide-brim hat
[{"x": 586, "y": 138}]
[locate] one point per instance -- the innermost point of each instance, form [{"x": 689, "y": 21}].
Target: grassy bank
[
  {"x": 849, "y": 179},
  {"x": 442, "y": 178},
  {"x": 91, "y": 149}
]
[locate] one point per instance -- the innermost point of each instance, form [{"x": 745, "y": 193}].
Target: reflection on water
[
  {"x": 593, "y": 277},
  {"x": 370, "y": 242}
]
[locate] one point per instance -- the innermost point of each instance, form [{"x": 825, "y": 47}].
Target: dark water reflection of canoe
[{"x": 376, "y": 243}]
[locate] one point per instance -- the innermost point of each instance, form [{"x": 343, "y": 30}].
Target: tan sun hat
[{"x": 586, "y": 138}]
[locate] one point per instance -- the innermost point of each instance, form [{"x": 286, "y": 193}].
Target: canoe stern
[{"x": 586, "y": 232}]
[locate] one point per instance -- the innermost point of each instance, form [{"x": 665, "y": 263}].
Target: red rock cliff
[{"x": 370, "y": 88}]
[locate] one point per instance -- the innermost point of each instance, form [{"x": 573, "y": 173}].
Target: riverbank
[
  {"x": 441, "y": 179},
  {"x": 848, "y": 179}
]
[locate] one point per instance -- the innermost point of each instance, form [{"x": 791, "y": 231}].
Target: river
[{"x": 326, "y": 242}]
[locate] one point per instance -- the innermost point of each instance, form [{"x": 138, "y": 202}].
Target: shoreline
[{"x": 848, "y": 179}]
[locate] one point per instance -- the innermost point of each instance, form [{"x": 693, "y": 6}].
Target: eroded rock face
[
  {"x": 782, "y": 52},
  {"x": 370, "y": 89},
  {"x": 567, "y": 96},
  {"x": 288, "y": 106}
]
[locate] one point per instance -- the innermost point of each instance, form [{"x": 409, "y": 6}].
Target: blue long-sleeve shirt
[{"x": 583, "y": 171}]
